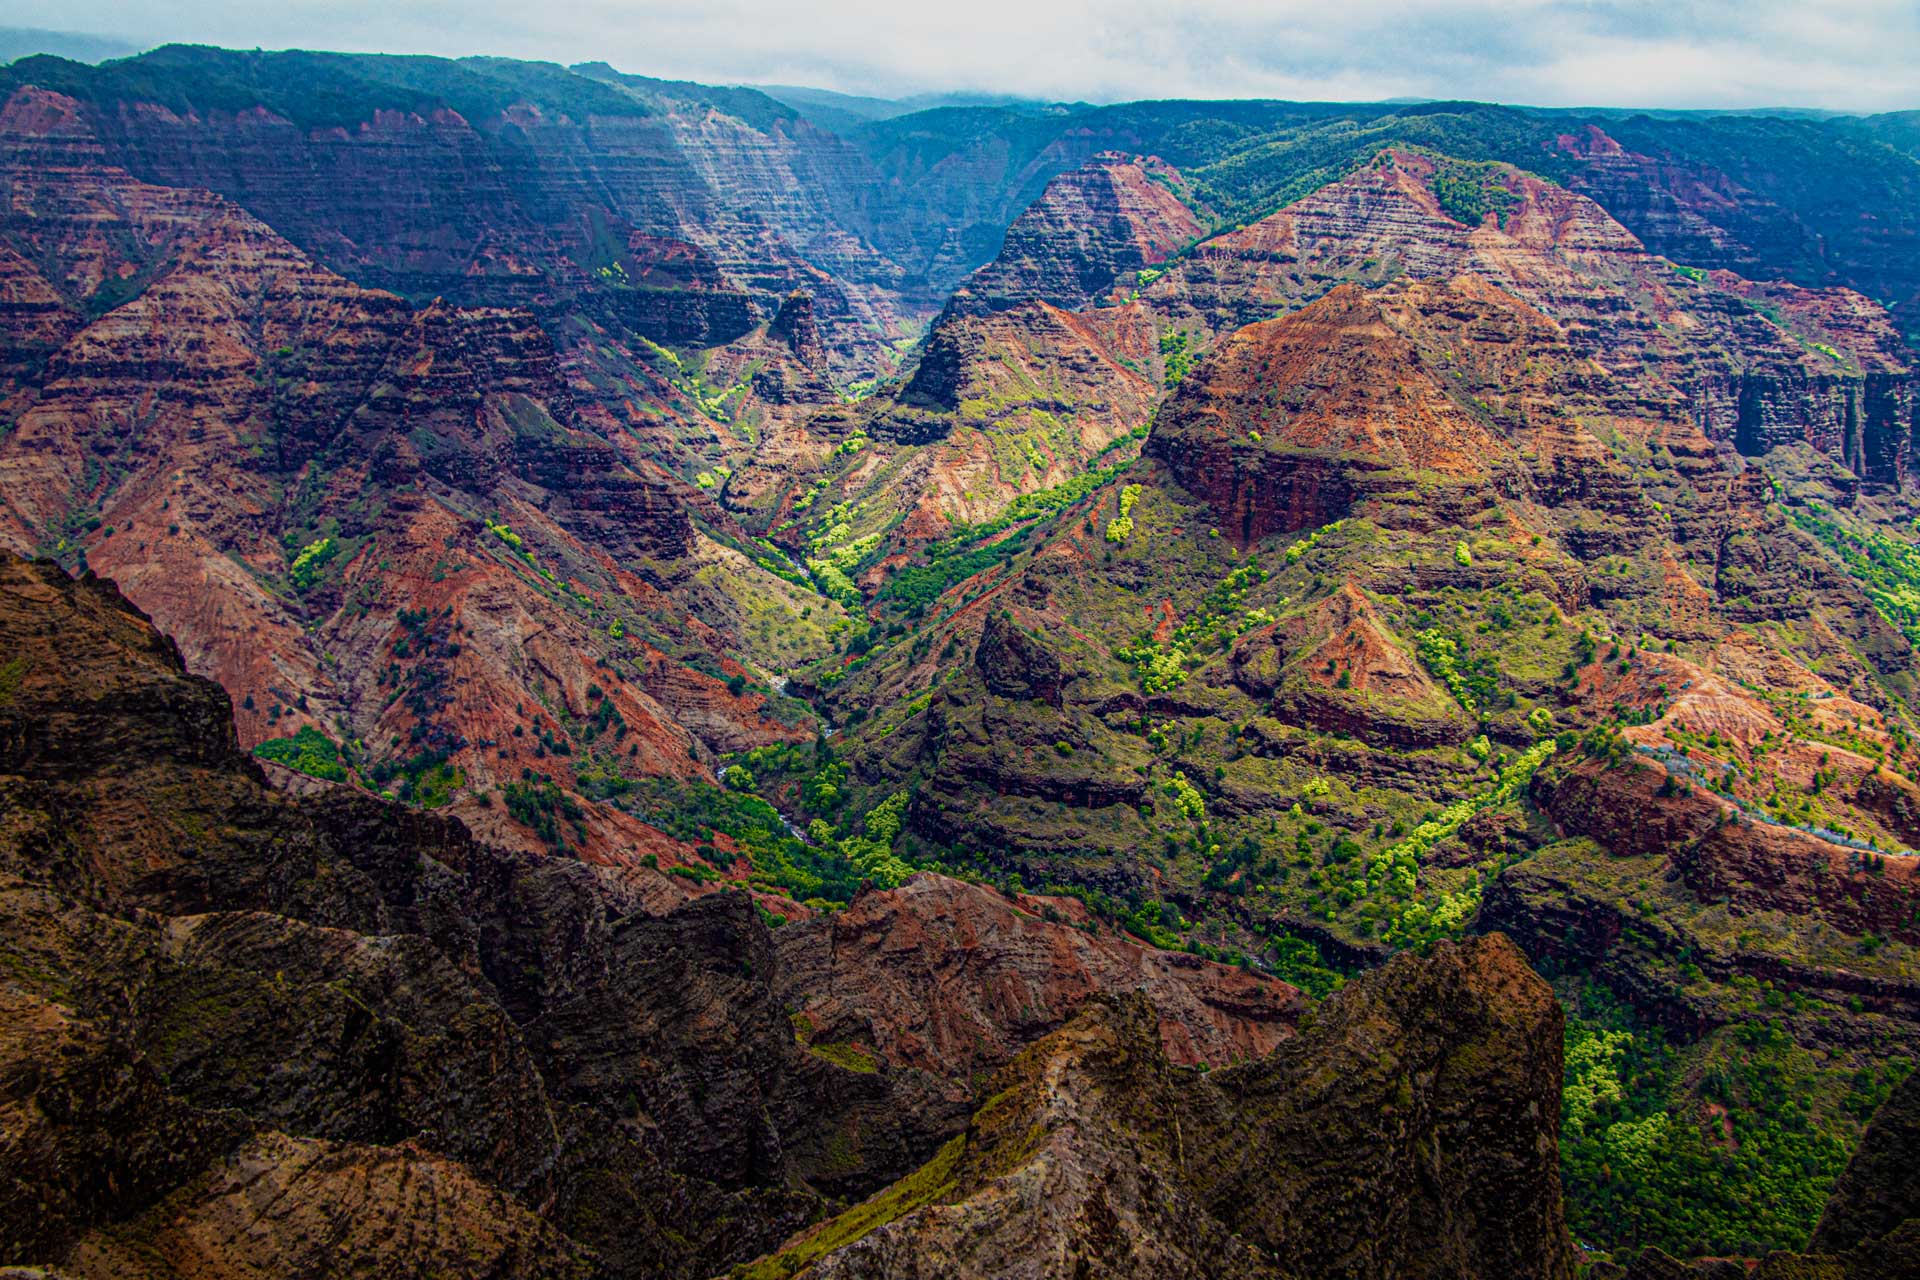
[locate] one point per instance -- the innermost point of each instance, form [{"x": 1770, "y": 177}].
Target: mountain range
[{"x": 610, "y": 676}]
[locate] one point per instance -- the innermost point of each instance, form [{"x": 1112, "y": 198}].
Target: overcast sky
[{"x": 1841, "y": 54}]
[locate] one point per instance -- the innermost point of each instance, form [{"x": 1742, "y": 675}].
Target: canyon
[{"x": 610, "y": 676}]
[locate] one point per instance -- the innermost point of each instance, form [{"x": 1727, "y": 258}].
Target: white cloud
[{"x": 1844, "y": 54}]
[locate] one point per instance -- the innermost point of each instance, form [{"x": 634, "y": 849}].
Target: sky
[{"x": 1849, "y": 55}]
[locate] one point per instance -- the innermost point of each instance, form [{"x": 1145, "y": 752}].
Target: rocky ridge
[
  {"x": 1322, "y": 1159},
  {"x": 220, "y": 989}
]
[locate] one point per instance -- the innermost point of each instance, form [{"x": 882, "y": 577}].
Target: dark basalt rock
[
  {"x": 795, "y": 325},
  {"x": 1410, "y": 1129},
  {"x": 220, "y": 982},
  {"x": 1016, "y": 664}
]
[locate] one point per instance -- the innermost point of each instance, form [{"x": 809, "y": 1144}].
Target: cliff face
[
  {"x": 219, "y": 989},
  {"x": 1290, "y": 423},
  {"x": 352, "y": 1003},
  {"x": 354, "y": 515},
  {"x": 1753, "y": 365},
  {"x": 952, "y": 978},
  {"x": 1111, "y": 217},
  {"x": 1319, "y": 1160},
  {"x": 495, "y": 183},
  {"x": 1711, "y": 202}
]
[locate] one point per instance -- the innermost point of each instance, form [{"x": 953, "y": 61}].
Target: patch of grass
[
  {"x": 929, "y": 1183},
  {"x": 850, "y": 1056}
]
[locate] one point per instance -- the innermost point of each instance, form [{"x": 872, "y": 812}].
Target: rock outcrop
[
  {"x": 1110, "y": 218},
  {"x": 242, "y": 1026},
  {"x": 221, "y": 987},
  {"x": 1410, "y": 1129},
  {"x": 331, "y": 499}
]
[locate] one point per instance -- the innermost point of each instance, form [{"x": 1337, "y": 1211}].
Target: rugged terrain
[
  {"x": 439, "y": 1055},
  {"x": 1038, "y": 553}
]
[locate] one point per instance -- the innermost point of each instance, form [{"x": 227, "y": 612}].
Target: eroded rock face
[
  {"x": 1113, "y": 215},
  {"x": 1700, "y": 345},
  {"x": 431, "y": 465},
  {"x": 1724, "y": 206},
  {"x": 241, "y": 1024},
  {"x": 1709, "y": 871},
  {"x": 224, "y": 988},
  {"x": 1410, "y": 1129},
  {"x": 1423, "y": 1095},
  {"x": 1337, "y": 667},
  {"x": 510, "y": 185},
  {"x": 949, "y": 980},
  {"x": 283, "y": 1206},
  {"x": 1297, "y": 422}
]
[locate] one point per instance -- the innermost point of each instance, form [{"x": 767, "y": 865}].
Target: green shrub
[{"x": 309, "y": 751}]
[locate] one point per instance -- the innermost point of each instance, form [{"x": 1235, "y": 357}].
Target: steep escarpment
[
  {"x": 1113, "y": 216},
  {"x": 1755, "y": 365},
  {"x": 368, "y": 523},
  {"x": 1092, "y": 1152},
  {"x": 1874, "y": 1199},
  {"x": 493, "y": 182},
  {"x": 215, "y": 988},
  {"x": 1709, "y": 198}
]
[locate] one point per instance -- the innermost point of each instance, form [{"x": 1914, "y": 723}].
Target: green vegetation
[
  {"x": 1191, "y": 803},
  {"x": 1740, "y": 1166},
  {"x": 12, "y": 673},
  {"x": 548, "y": 811},
  {"x": 309, "y": 751},
  {"x": 1440, "y": 654},
  {"x": 1042, "y": 504},
  {"x": 1469, "y": 192},
  {"x": 1395, "y": 870},
  {"x": 697, "y": 812},
  {"x": 1298, "y": 550},
  {"x": 1218, "y": 618},
  {"x": 313, "y": 557},
  {"x": 848, "y": 1056},
  {"x": 1177, "y": 356},
  {"x": 917, "y": 586},
  {"x": 1886, "y": 565},
  {"x": 512, "y": 541},
  {"x": 962, "y": 555},
  {"x": 872, "y": 853},
  {"x": 1120, "y": 528}
]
